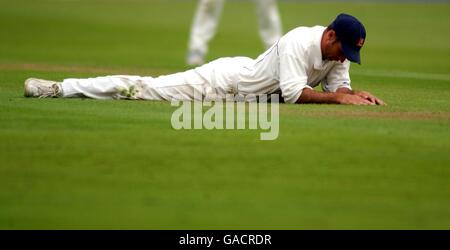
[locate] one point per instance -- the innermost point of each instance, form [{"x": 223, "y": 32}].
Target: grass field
[{"x": 89, "y": 164}]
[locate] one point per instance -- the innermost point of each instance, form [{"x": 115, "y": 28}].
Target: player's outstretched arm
[{"x": 312, "y": 96}]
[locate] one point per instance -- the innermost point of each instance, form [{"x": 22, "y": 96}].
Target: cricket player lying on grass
[{"x": 299, "y": 61}]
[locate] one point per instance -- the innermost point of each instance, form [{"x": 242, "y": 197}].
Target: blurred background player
[{"x": 207, "y": 17}]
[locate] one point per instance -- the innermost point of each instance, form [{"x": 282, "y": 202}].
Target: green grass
[{"x": 89, "y": 164}]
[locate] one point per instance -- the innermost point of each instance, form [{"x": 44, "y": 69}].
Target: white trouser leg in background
[
  {"x": 205, "y": 24},
  {"x": 270, "y": 28},
  {"x": 213, "y": 80}
]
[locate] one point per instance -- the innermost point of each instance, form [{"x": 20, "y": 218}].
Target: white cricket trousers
[
  {"x": 212, "y": 81},
  {"x": 207, "y": 17}
]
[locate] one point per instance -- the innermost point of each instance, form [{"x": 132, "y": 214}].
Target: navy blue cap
[{"x": 352, "y": 34}]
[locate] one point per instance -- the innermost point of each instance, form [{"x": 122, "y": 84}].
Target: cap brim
[{"x": 351, "y": 54}]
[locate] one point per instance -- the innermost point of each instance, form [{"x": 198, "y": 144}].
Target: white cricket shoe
[
  {"x": 195, "y": 58},
  {"x": 42, "y": 88}
]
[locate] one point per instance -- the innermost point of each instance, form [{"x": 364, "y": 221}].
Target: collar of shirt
[{"x": 319, "y": 64}]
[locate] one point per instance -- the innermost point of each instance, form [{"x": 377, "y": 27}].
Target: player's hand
[
  {"x": 353, "y": 99},
  {"x": 368, "y": 96}
]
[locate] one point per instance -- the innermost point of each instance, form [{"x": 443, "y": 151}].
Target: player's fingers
[
  {"x": 363, "y": 102},
  {"x": 379, "y": 102},
  {"x": 375, "y": 100},
  {"x": 371, "y": 99},
  {"x": 367, "y": 97},
  {"x": 368, "y": 102}
]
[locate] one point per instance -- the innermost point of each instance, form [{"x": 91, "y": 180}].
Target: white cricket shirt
[{"x": 292, "y": 64}]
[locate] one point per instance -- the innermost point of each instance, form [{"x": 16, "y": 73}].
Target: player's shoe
[
  {"x": 42, "y": 88},
  {"x": 195, "y": 58}
]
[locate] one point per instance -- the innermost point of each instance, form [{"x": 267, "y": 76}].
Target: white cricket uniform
[
  {"x": 292, "y": 64},
  {"x": 208, "y": 14}
]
